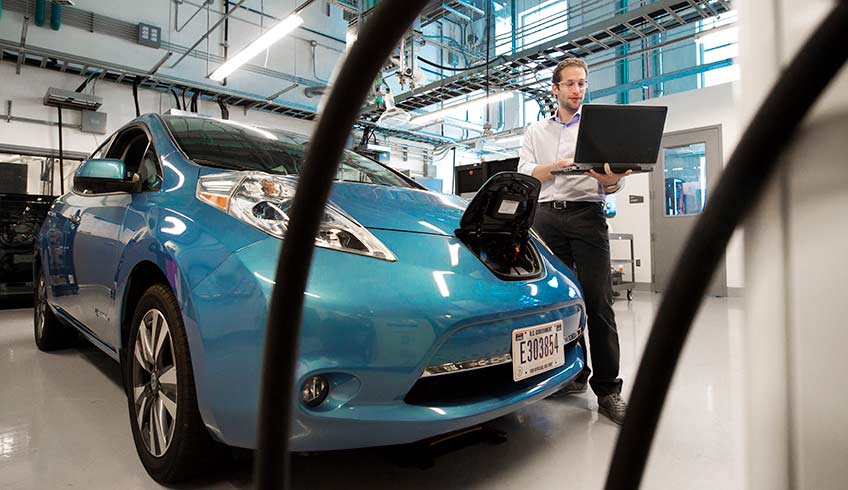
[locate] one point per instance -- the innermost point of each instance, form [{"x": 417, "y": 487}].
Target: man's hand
[
  {"x": 608, "y": 178},
  {"x": 563, "y": 163},
  {"x": 543, "y": 172}
]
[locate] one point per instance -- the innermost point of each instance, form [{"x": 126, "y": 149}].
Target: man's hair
[{"x": 571, "y": 61}]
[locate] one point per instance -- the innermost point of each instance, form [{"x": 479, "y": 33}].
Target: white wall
[
  {"x": 292, "y": 55},
  {"x": 686, "y": 110},
  {"x": 796, "y": 249}
]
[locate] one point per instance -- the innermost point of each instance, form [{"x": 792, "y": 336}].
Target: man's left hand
[{"x": 608, "y": 178}]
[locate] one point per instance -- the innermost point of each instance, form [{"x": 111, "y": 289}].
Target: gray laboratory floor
[{"x": 64, "y": 423}]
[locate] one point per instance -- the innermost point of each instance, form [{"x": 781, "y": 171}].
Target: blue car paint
[{"x": 371, "y": 326}]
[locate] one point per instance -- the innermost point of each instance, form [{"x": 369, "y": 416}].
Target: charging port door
[{"x": 497, "y": 222}]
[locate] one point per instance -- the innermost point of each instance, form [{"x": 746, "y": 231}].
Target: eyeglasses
[{"x": 581, "y": 84}]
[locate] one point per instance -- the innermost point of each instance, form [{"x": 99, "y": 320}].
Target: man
[{"x": 570, "y": 218}]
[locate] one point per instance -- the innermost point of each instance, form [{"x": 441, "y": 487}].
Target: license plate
[{"x": 537, "y": 349}]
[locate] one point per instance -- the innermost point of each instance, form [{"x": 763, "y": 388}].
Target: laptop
[{"x": 626, "y": 136}]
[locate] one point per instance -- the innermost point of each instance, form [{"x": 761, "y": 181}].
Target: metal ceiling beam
[
  {"x": 678, "y": 18},
  {"x": 208, "y": 32},
  {"x": 123, "y": 74},
  {"x": 506, "y": 71},
  {"x": 698, "y": 9}
]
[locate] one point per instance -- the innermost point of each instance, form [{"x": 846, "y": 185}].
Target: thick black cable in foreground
[
  {"x": 377, "y": 39},
  {"x": 737, "y": 192}
]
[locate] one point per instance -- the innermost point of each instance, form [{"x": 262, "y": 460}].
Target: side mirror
[{"x": 98, "y": 176}]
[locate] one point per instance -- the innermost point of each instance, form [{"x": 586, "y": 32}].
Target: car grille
[{"x": 471, "y": 386}]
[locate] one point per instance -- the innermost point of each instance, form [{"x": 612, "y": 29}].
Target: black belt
[{"x": 570, "y": 204}]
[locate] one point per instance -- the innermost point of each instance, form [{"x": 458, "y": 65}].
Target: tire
[
  {"x": 49, "y": 333},
  {"x": 170, "y": 437}
]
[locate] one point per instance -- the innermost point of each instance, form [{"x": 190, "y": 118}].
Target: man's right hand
[{"x": 543, "y": 172}]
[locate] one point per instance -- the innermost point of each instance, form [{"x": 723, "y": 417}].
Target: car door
[
  {"x": 61, "y": 228},
  {"x": 96, "y": 245}
]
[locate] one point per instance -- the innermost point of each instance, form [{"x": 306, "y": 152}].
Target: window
[
  {"x": 543, "y": 23},
  {"x": 685, "y": 179}
]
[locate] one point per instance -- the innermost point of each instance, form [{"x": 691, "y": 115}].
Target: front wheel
[
  {"x": 48, "y": 332},
  {"x": 168, "y": 432}
]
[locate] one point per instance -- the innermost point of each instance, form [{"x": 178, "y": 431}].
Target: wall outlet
[{"x": 638, "y": 262}]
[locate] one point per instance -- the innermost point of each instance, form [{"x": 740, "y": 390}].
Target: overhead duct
[{"x": 67, "y": 99}]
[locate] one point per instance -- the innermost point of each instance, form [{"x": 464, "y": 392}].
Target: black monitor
[
  {"x": 497, "y": 166},
  {"x": 468, "y": 179}
]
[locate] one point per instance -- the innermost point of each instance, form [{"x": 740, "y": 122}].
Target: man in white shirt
[{"x": 571, "y": 220}]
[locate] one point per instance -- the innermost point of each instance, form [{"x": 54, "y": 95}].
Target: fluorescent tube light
[
  {"x": 431, "y": 116},
  {"x": 262, "y": 43}
]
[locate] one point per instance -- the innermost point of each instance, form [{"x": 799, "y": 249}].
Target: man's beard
[{"x": 566, "y": 105}]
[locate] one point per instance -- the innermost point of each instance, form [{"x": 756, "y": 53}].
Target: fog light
[{"x": 314, "y": 391}]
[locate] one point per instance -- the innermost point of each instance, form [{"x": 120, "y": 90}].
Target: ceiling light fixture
[
  {"x": 261, "y": 43},
  {"x": 431, "y": 116}
]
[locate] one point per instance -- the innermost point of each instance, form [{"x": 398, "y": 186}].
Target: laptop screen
[{"x": 620, "y": 134}]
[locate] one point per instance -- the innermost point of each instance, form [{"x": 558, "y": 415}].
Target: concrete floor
[{"x": 64, "y": 423}]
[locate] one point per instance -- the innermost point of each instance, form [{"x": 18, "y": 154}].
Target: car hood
[{"x": 399, "y": 209}]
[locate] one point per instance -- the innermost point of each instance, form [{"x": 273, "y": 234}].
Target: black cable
[
  {"x": 61, "y": 157},
  {"x": 135, "y": 85},
  {"x": 87, "y": 80},
  {"x": 365, "y": 135},
  {"x": 185, "y": 106},
  {"x": 473, "y": 67},
  {"x": 226, "y": 39},
  {"x": 225, "y": 112},
  {"x": 737, "y": 192},
  {"x": 488, "y": 57},
  {"x": 177, "y": 99},
  {"x": 194, "y": 97},
  {"x": 379, "y": 35}
]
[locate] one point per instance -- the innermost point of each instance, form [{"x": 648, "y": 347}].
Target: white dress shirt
[{"x": 549, "y": 141}]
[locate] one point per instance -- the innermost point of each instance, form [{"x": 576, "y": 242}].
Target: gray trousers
[{"x": 578, "y": 236}]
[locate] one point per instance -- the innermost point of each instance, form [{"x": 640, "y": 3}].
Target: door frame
[{"x": 653, "y": 195}]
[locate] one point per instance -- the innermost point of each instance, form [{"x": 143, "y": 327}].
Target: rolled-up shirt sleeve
[{"x": 527, "y": 157}]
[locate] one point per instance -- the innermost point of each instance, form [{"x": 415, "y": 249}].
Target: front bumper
[{"x": 372, "y": 327}]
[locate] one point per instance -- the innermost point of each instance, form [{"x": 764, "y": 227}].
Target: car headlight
[{"x": 264, "y": 201}]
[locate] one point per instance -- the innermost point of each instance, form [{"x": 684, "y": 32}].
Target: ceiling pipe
[{"x": 207, "y": 33}]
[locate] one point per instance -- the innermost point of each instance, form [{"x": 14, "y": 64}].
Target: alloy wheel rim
[
  {"x": 154, "y": 377},
  {"x": 40, "y": 309}
]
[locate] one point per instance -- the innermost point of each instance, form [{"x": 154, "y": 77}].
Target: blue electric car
[{"x": 423, "y": 314}]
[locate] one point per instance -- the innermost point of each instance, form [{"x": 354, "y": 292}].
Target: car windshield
[{"x": 232, "y": 145}]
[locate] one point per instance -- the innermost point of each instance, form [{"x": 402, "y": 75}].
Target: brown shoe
[{"x": 613, "y": 407}]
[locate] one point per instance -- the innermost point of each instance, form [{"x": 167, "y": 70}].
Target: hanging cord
[
  {"x": 194, "y": 97},
  {"x": 225, "y": 112},
  {"x": 136, "y": 83},
  {"x": 453, "y": 68},
  {"x": 737, "y": 192},
  {"x": 380, "y": 34},
  {"x": 488, "y": 53},
  {"x": 177, "y": 99}
]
